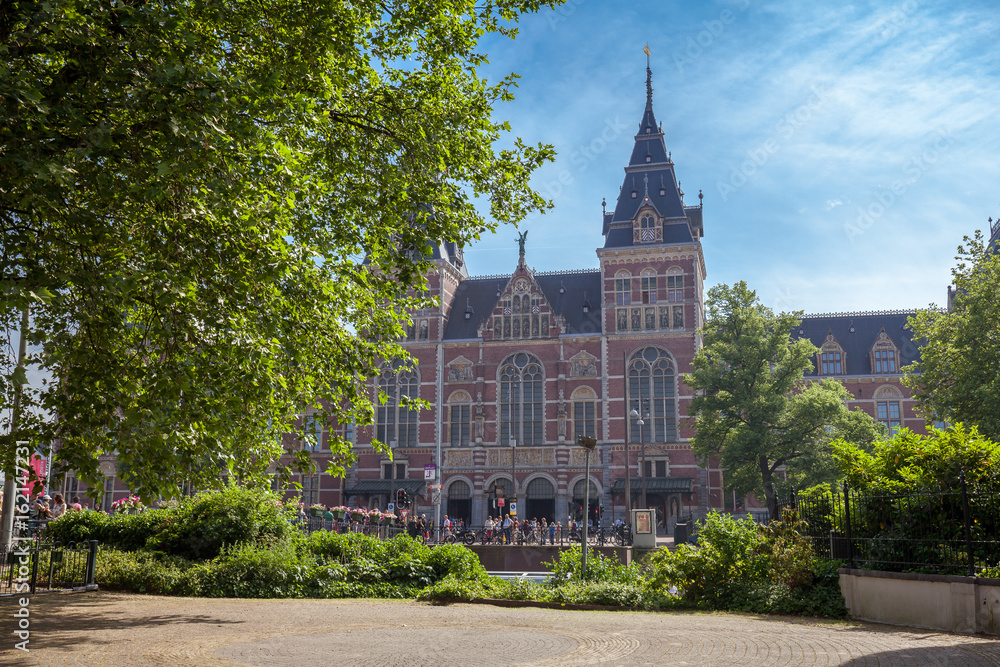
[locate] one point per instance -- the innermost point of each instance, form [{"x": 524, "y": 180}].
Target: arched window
[
  {"x": 521, "y": 415},
  {"x": 651, "y": 390},
  {"x": 884, "y": 354},
  {"x": 460, "y": 410},
  {"x": 675, "y": 284},
  {"x": 832, "y": 360},
  {"x": 647, "y": 227},
  {"x": 396, "y": 422}
]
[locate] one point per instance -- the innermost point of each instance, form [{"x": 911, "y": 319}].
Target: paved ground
[{"x": 121, "y": 630}]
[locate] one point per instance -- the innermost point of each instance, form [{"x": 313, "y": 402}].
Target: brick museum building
[{"x": 523, "y": 363}]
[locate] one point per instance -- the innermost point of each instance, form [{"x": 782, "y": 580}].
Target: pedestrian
[
  {"x": 507, "y": 525},
  {"x": 543, "y": 531},
  {"x": 447, "y": 526},
  {"x": 58, "y": 506},
  {"x": 552, "y": 533}
]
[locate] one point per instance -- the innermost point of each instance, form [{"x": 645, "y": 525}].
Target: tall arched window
[
  {"x": 461, "y": 418},
  {"x": 651, "y": 390},
  {"x": 521, "y": 400},
  {"x": 396, "y": 422}
]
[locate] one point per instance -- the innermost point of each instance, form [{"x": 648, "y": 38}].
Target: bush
[
  {"x": 457, "y": 561},
  {"x": 568, "y": 565},
  {"x": 199, "y": 528},
  {"x": 77, "y": 527},
  {"x": 741, "y": 567}
]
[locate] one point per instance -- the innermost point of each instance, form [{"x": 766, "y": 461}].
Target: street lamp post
[
  {"x": 392, "y": 477},
  {"x": 642, "y": 454},
  {"x": 588, "y": 444},
  {"x": 513, "y": 479}
]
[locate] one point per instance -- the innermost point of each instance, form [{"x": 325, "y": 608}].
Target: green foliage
[
  {"x": 568, "y": 566},
  {"x": 188, "y": 187},
  {"x": 910, "y": 460},
  {"x": 201, "y": 527},
  {"x": 742, "y": 567},
  {"x": 751, "y": 406},
  {"x": 196, "y": 528},
  {"x": 956, "y": 377},
  {"x": 456, "y": 560}
]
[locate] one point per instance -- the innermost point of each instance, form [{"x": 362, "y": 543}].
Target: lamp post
[
  {"x": 392, "y": 477},
  {"x": 513, "y": 480},
  {"x": 588, "y": 444},
  {"x": 642, "y": 455}
]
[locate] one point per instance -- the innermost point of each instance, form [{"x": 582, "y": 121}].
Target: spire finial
[
  {"x": 649, "y": 77},
  {"x": 521, "y": 238},
  {"x": 604, "y": 205}
]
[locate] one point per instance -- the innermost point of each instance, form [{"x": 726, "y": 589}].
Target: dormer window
[
  {"x": 663, "y": 192},
  {"x": 634, "y": 194},
  {"x": 647, "y": 226},
  {"x": 649, "y": 158},
  {"x": 831, "y": 357},
  {"x": 884, "y": 354}
]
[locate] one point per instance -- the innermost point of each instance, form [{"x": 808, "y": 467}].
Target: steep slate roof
[
  {"x": 858, "y": 344},
  {"x": 650, "y": 175},
  {"x": 481, "y": 295}
]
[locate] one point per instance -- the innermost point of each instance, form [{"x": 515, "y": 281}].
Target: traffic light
[{"x": 402, "y": 498}]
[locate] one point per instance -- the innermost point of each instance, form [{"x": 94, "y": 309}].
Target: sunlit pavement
[{"x": 117, "y": 629}]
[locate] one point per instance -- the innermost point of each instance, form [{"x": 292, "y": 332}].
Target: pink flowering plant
[{"x": 130, "y": 504}]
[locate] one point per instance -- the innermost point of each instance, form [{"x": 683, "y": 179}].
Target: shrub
[
  {"x": 455, "y": 560},
  {"x": 568, "y": 565},
  {"x": 77, "y": 527},
  {"x": 199, "y": 528},
  {"x": 249, "y": 571}
]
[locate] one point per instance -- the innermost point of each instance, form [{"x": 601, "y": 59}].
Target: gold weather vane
[{"x": 645, "y": 49}]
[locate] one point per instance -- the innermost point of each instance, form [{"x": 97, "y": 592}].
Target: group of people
[
  {"x": 45, "y": 507},
  {"x": 543, "y": 531}
]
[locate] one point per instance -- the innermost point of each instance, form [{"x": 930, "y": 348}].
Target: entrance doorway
[
  {"x": 541, "y": 500},
  {"x": 460, "y": 501}
]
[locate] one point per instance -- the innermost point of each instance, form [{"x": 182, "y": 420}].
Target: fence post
[
  {"x": 91, "y": 564},
  {"x": 34, "y": 567},
  {"x": 847, "y": 526},
  {"x": 968, "y": 524}
]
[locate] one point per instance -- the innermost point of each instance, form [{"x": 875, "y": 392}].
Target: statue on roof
[{"x": 521, "y": 238}]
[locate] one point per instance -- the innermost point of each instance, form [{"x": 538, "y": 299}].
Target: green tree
[
  {"x": 218, "y": 210},
  {"x": 911, "y": 460},
  {"x": 752, "y": 406},
  {"x": 957, "y": 377}
]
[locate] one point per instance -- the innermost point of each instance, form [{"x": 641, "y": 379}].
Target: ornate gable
[{"x": 521, "y": 310}]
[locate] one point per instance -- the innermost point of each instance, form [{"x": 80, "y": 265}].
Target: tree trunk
[{"x": 769, "y": 495}]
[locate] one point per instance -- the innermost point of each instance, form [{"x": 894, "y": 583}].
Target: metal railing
[
  {"x": 31, "y": 566},
  {"x": 947, "y": 530}
]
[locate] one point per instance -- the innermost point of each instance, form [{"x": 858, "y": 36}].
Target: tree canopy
[
  {"x": 752, "y": 406},
  {"x": 957, "y": 378},
  {"x": 217, "y": 210}
]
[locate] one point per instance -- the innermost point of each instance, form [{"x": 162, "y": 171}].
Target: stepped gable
[
  {"x": 857, "y": 344},
  {"x": 566, "y": 293}
]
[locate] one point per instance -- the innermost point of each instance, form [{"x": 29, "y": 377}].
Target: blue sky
[{"x": 843, "y": 149}]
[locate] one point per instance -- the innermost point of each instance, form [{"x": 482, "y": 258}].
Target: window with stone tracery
[
  {"x": 395, "y": 421},
  {"x": 651, "y": 389},
  {"x": 521, "y": 416}
]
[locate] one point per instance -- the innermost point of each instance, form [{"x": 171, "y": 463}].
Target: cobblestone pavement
[{"x": 121, "y": 630}]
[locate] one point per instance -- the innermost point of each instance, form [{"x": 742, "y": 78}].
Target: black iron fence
[
  {"x": 948, "y": 530},
  {"x": 30, "y": 566}
]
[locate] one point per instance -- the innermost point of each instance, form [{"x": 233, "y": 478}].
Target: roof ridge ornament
[{"x": 649, "y": 77}]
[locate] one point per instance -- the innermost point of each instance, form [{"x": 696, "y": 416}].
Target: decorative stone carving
[
  {"x": 888, "y": 391},
  {"x": 458, "y": 458},
  {"x": 460, "y": 370},
  {"x": 584, "y": 365},
  {"x": 499, "y": 457}
]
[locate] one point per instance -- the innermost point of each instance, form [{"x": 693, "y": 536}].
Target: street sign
[
  {"x": 436, "y": 498},
  {"x": 404, "y": 514},
  {"x": 392, "y": 507},
  {"x": 435, "y": 487},
  {"x": 500, "y": 502},
  {"x": 429, "y": 471},
  {"x": 513, "y": 508}
]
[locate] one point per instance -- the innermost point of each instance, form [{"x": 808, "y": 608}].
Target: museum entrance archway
[
  {"x": 541, "y": 500},
  {"x": 460, "y": 501}
]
